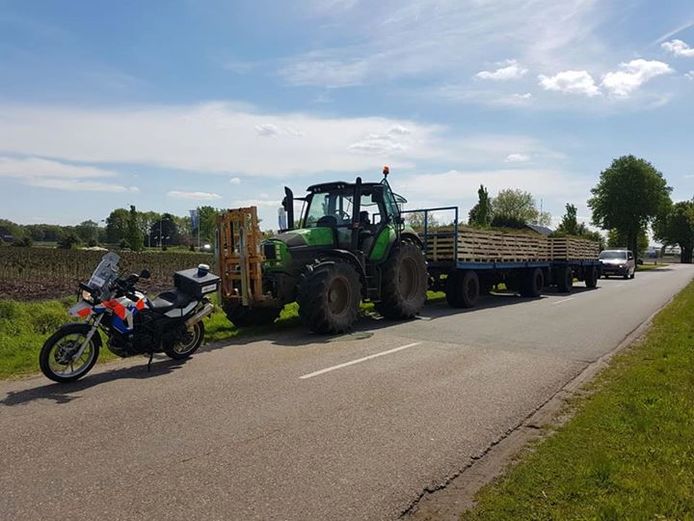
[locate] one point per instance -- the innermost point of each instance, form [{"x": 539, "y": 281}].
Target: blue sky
[{"x": 172, "y": 104}]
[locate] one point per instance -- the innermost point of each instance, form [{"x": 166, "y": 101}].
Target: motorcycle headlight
[{"x": 87, "y": 297}]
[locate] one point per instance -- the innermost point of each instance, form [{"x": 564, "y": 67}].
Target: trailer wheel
[
  {"x": 591, "y": 277},
  {"x": 404, "y": 282},
  {"x": 328, "y": 297},
  {"x": 532, "y": 283},
  {"x": 565, "y": 279},
  {"x": 462, "y": 289},
  {"x": 243, "y": 316}
]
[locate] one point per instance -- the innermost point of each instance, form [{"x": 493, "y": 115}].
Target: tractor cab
[{"x": 346, "y": 216}]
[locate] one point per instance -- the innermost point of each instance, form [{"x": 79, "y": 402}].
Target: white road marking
[
  {"x": 419, "y": 317},
  {"x": 562, "y": 301},
  {"x": 357, "y": 361}
]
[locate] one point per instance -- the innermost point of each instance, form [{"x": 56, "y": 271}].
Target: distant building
[{"x": 542, "y": 230}]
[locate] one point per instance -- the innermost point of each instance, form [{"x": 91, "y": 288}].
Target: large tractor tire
[
  {"x": 565, "y": 279},
  {"x": 532, "y": 284},
  {"x": 591, "y": 277},
  {"x": 462, "y": 289},
  {"x": 329, "y": 296},
  {"x": 404, "y": 281},
  {"x": 243, "y": 316}
]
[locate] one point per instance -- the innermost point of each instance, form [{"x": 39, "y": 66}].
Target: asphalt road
[{"x": 299, "y": 427}]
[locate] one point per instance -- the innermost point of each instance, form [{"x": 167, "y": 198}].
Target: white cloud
[
  {"x": 517, "y": 158},
  {"x": 77, "y": 185},
  {"x": 36, "y": 167},
  {"x": 385, "y": 41},
  {"x": 460, "y": 186},
  {"x": 45, "y": 173},
  {"x": 632, "y": 75},
  {"x": 195, "y": 196},
  {"x": 678, "y": 48},
  {"x": 215, "y": 138},
  {"x": 689, "y": 75},
  {"x": 235, "y": 180},
  {"x": 570, "y": 82},
  {"x": 511, "y": 71},
  {"x": 313, "y": 69}
]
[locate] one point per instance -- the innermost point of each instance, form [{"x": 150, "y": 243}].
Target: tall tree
[
  {"x": 481, "y": 213},
  {"x": 676, "y": 226},
  {"x": 164, "y": 232},
  {"x": 514, "y": 208},
  {"x": 207, "y": 221},
  {"x": 569, "y": 222},
  {"x": 117, "y": 225},
  {"x": 628, "y": 196},
  {"x": 134, "y": 236}
]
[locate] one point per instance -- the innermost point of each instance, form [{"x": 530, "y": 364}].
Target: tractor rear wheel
[
  {"x": 329, "y": 296},
  {"x": 404, "y": 282},
  {"x": 243, "y": 316}
]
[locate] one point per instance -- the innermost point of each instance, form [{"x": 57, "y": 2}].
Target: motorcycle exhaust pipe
[{"x": 204, "y": 312}]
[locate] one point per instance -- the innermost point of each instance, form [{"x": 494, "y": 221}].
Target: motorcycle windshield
[{"x": 105, "y": 273}]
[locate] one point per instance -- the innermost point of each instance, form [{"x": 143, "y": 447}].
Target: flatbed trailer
[{"x": 468, "y": 262}]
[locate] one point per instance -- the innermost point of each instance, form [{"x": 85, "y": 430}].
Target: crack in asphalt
[{"x": 570, "y": 388}]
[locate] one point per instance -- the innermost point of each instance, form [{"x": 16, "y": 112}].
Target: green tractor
[{"x": 350, "y": 244}]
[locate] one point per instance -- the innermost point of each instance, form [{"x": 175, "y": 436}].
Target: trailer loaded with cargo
[{"x": 351, "y": 244}]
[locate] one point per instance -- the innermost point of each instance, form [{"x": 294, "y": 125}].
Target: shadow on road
[{"x": 65, "y": 393}]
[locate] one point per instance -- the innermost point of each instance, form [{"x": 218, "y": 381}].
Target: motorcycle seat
[{"x": 171, "y": 299}]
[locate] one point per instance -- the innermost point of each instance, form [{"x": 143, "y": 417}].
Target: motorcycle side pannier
[{"x": 196, "y": 282}]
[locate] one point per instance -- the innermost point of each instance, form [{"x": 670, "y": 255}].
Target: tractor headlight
[{"x": 270, "y": 251}]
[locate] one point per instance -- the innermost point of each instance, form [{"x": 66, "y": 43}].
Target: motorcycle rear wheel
[
  {"x": 56, "y": 356},
  {"x": 186, "y": 346}
]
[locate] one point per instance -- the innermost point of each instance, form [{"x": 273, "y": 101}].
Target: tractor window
[
  {"x": 370, "y": 208},
  {"x": 329, "y": 209}
]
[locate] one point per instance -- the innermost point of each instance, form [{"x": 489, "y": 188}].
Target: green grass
[
  {"x": 650, "y": 267},
  {"x": 628, "y": 453},
  {"x": 24, "y": 326}
]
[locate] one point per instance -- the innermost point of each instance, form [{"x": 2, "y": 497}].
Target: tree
[
  {"x": 676, "y": 226},
  {"x": 569, "y": 223},
  {"x": 514, "y": 208},
  {"x": 207, "y": 221},
  {"x": 134, "y": 235},
  {"x": 481, "y": 213},
  {"x": 87, "y": 230},
  {"x": 416, "y": 220},
  {"x": 117, "y": 225},
  {"x": 68, "y": 240},
  {"x": 628, "y": 196},
  {"x": 615, "y": 239},
  {"x": 164, "y": 231}
]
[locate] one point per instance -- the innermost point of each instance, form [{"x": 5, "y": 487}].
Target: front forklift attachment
[{"x": 240, "y": 264}]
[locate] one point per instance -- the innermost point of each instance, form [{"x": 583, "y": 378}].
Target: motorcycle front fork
[{"x": 95, "y": 326}]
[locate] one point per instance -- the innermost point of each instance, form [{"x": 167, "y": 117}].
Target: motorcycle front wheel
[
  {"x": 57, "y": 358},
  {"x": 189, "y": 342}
]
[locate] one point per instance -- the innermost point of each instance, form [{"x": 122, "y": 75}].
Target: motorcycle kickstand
[{"x": 149, "y": 364}]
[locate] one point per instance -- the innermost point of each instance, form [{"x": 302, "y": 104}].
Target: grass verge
[
  {"x": 628, "y": 452},
  {"x": 650, "y": 267},
  {"x": 24, "y": 326}
]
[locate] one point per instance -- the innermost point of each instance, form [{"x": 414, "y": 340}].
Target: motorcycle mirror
[{"x": 145, "y": 274}]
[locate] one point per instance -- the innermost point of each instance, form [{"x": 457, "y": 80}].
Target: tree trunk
[
  {"x": 632, "y": 242},
  {"x": 686, "y": 256}
]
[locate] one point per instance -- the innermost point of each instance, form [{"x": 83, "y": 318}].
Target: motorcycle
[{"x": 132, "y": 323}]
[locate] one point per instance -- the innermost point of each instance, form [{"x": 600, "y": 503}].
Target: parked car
[{"x": 618, "y": 262}]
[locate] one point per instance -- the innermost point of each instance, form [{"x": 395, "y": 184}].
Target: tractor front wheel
[
  {"x": 404, "y": 282},
  {"x": 329, "y": 296}
]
